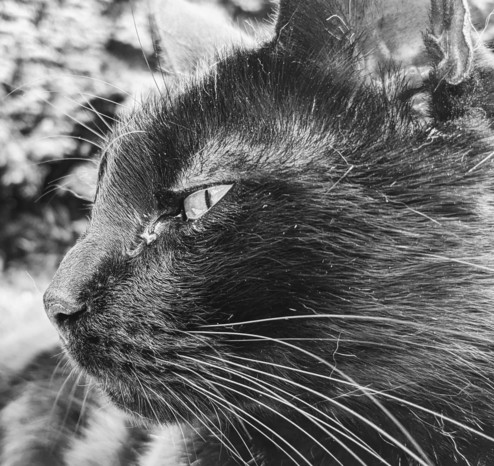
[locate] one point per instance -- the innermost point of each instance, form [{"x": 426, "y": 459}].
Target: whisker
[
  {"x": 99, "y": 97},
  {"x": 212, "y": 387},
  {"x": 60, "y": 390},
  {"x": 71, "y": 398},
  {"x": 61, "y": 187},
  {"x": 117, "y": 138},
  {"x": 203, "y": 421},
  {"x": 36, "y": 287},
  {"x": 354, "y": 413},
  {"x": 87, "y": 390},
  {"x": 390, "y": 320},
  {"x": 142, "y": 51},
  {"x": 329, "y": 378},
  {"x": 224, "y": 442},
  {"x": 266, "y": 391},
  {"x": 79, "y": 159},
  {"x": 357, "y": 440},
  {"x": 235, "y": 410},
  {"x": 434, "y": 413},
  {"x": 74, "y": 75},
  {"x": 75, "y": 120},
  {"x": 99, "y": 114},
  {"x": 260, "y": 403}
]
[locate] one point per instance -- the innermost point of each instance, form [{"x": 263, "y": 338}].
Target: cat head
[{"x": 301, "y": 236}]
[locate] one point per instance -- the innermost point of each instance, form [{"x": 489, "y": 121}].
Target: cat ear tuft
[{"x": 451, "y": 39}]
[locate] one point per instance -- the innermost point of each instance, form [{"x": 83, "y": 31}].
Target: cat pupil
[{"x": 207, "y": 198}]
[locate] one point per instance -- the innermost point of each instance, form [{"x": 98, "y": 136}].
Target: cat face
[{"x": 295, "y": 239}]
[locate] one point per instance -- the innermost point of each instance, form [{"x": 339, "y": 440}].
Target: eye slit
[{"x": 199, "y": 202}]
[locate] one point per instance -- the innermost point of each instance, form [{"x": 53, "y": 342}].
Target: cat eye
[{"x": 198, "y": 203}]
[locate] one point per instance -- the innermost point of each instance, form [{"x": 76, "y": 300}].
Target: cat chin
[
  {"x": 161, "y": 403},
  {"x": 150, "y": 410}
]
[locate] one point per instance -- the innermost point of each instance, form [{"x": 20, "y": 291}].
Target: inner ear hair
[{"x": 451, "y": 39}]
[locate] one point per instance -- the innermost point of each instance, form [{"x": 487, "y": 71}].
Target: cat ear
[
  {"x": 383, "y": 32},
  {"x": 451, "y": 39},
  {"x": 190, "y": 34},
  {"x": 372, "y": 34}
]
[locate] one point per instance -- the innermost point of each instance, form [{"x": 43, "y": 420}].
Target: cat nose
[{"x": 62, "y": 308}]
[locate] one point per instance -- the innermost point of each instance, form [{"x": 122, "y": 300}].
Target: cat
[{"x": 289, "y": 262}]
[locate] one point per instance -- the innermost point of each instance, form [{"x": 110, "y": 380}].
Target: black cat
[{"x": 289, "y": 259}]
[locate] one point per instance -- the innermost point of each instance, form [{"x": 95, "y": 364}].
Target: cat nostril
[{"x": 62, "y": 310}]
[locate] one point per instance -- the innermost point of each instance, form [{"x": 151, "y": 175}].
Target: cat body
[{"x": 289, "y": 259}]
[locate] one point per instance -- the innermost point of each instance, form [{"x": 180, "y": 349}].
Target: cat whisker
[
  {"x": 64, "y": 75},
  {"x": 75, "y": 120},
  {"x": 330, "y": 339},
  {"x": 232, "y": 424},
  {"x": 375, "y": 392},
  {"x": 218, "y": 417},
  {"x": 146, "y": 397},
  {"x": 266, "y": 391},
  {"x": 53, "y": 187},
  {"x": 235, "y": 410},
  {"x": 435, "y": 414},
  {"x": 101, "y": 116},
  {"x": 80, "y": 159},
  {"x": 352, "y": 436},
  {"x": 329, "y": 378},
  {"x": 65, "y": 189},
  {"x": 35, "y": 285},
  {"x": 117, "y": 138},
  {"x": 87, "y": 389},
  {"x": 151, "y": 72},
  {"x": 277, "y": 413},
  {"x": 424, "y": 461},
  {"x": 211, "y": 428},
  {"x": 352, "y": 317},
  {"x": 104, "y": 99},
  {"x": 61, "y": 361},
  {"x": 61, "y": 391},
  {"x": 337, "y": 182},
  {"x": 90, "y": 108},
  {"x": 359, "y": 387},
  {"x": 204, "y": 421},
  {"x": 49, "y": 191},
  {"x": 71, "y": 398}
]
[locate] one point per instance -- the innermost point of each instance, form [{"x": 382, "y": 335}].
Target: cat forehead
[
  {"x": 201, "y": 138},
  {"x": 229, "y": 157}
]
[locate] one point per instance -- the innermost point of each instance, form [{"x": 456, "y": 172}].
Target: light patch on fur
[
  {"x": 166, "y": 449},
  {"x": 101, "y": 441}
]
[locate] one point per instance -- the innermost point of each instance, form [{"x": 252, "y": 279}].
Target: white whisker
[{"x": 424, "y": 461}]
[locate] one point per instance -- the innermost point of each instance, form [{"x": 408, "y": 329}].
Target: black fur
[{"x": 336, "y": 306}]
